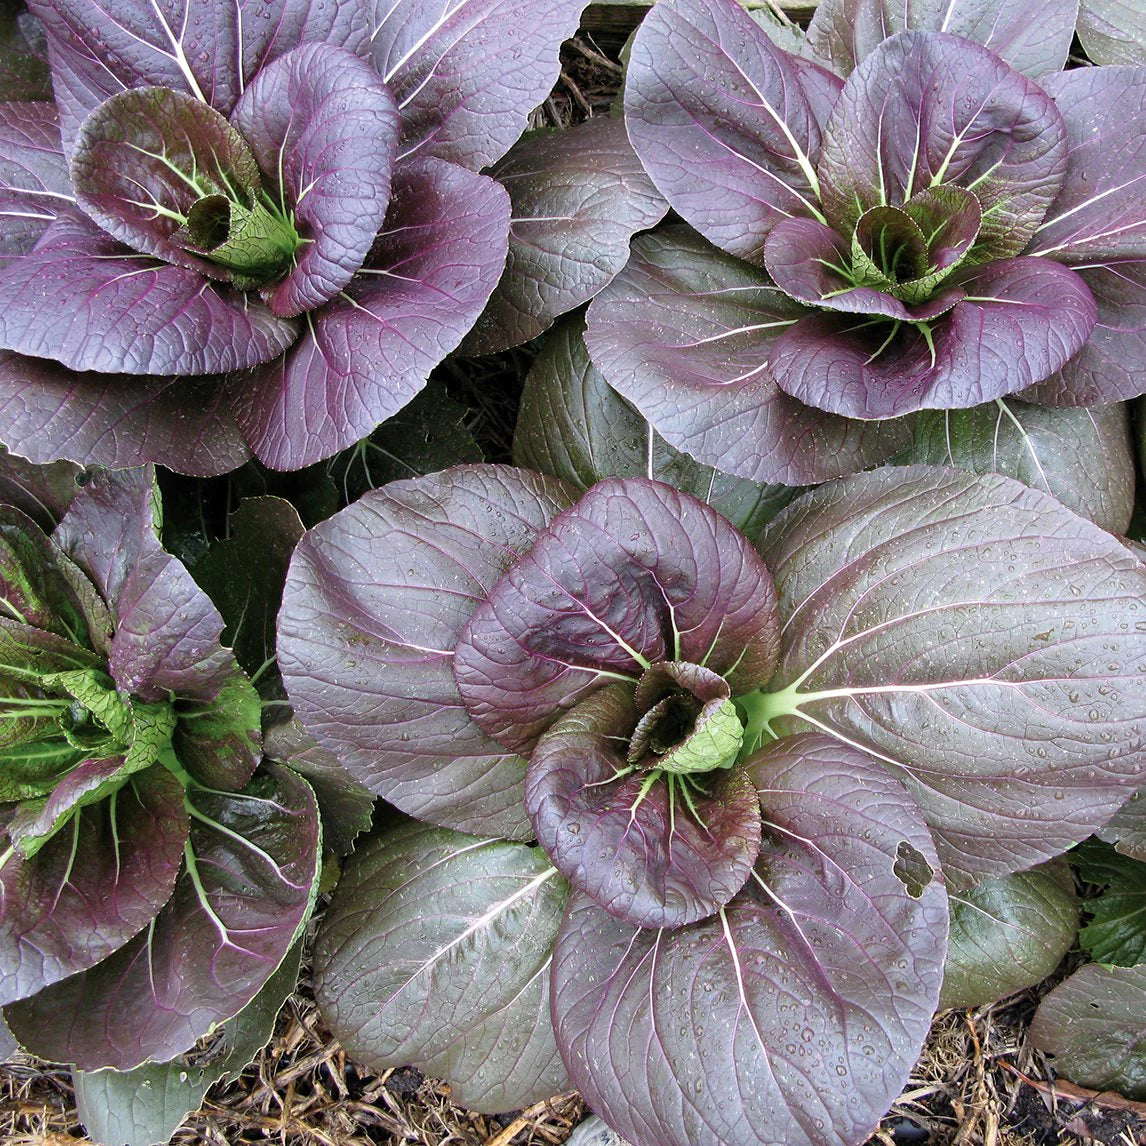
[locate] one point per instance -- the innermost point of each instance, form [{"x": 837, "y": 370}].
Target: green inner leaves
[
  {"x": 71, "y": 741},
  {"x": 910, "y": 251},
  {"x": 257, "y": 241},
  {"x": 689, "y": 725},
  {"x": 170, "y": 176}
]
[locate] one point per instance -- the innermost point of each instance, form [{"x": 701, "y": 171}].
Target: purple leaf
[
  {"x": 42, "y": 492},
  {"x": 26, "y": 653},
  {"x": 344, "y": 805},
  {"x": 50, "y": 413},
  {"x": 166, "y": 629},
  {"x": 651, "y": 857},
  {"x": 321, "y": 122},
  {"x": 578, "y": 196},
  {"x": 1109, "y": 367},
  {"x": 633, "y": 574},
  {"x": 1099, "y": 214},
  {"x": 927, "y": 108},
  {"x": 367, "y": 353},
  {"x": 245, "y": 891},
  {"x": 93, "y": 304},
  {"x": 145, "y": 157},
  {"x": 720, "y": 119},
  {"x": 467, "y": 73},
  {"x": 826, "y": 966},
  {"x": 683, "y": 332},
  {"x": 374, "y": 601},
  {"x": 35, "y": 822},
  {"x": 1127, "y": 829},
  {"x": 1019, "y": 321},
  {"x": 93, "y": 886},
  {"x": 209, "y": 51},
  {"x": 436, "y": 951},
  {"x": 979, "y": 639},
  {"x": 1081, "y": 457},
  {"x": 34, "y": 181},
  {"x": 1094, "y": 1027},
  {"x": 574, "y": 425},
  {"x": 1033, "y": 36},
  {"x": 1113, "y": 31}
]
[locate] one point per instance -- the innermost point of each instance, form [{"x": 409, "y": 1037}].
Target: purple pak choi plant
[
  {"x": 953, "y": 222},
  {"x": 253, "y": 226},
  {"x": 152, "y": 880},
  {"x": 689, "y": 808}
]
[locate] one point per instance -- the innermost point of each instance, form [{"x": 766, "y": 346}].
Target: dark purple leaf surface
[
  {"x": 367, "y": 353},
  {"x": 344, "y": 804},
  {"x": 93, "y": 304},
  {"x": 436, "y": 951},
  {"x": 1099, "y": 214},
  {"x": 1127, "y": 830},
  {"x": 927, "y": 108},
  {"x": 1019, "y": 321},
  {"x": 1009, "y": 933},
  {"x": 1113, "y": 31},
  {"x": 684, "y": 332},
  {"x": 42, "y": 492},
  {"x": 796, "y": 1013},
  {"x": 1033, "y": 36},
  {"x": 90, "y": 889},
  {"x": 467, "y": 73},
  {"x": 571, "y": 423},
  {"x": 34, "y": 181},
  {"x": 246, "y": 889},
  {"x": 1081, "y": 457},
  {"x": 152, "y": 148},
  {"x": 166, "y": 629},
  {"x": 209, "y": 51},
  {"x": 647, "y": 859},
  {"x": 321, "y": 122},
  {"x": 1094, "y": 1024},
  {"x": 979, "y": 639},
  {"x": 578, "y": 196},
  {"x": 374, "y": 601},
  {"x": 634, "y": 573},
  {"x": 718, "y": 115},
  {"x": 50, "y": 413},
  {"x": 1109, "y": 367}
]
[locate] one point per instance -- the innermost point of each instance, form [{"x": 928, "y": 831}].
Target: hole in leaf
[{"x": 912, "y": 869}]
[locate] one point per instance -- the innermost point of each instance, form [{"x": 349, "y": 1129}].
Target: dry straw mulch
[{"x": 979, "y": 1082}]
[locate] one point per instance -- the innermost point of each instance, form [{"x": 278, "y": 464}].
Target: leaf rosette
[
  {"x": 135, "y": 825},
  {"x": 919, "y": 211},
  {"x": 732, "y": 784},
  {"x": 233, "y": 235}
]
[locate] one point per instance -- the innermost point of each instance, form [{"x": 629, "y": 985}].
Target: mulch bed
[{"x": 979, "y": 1082}]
